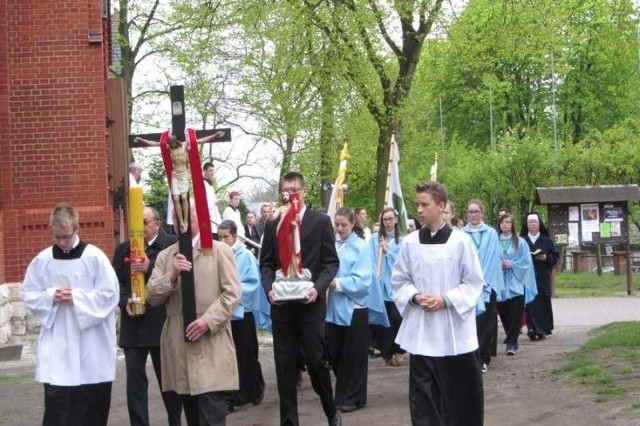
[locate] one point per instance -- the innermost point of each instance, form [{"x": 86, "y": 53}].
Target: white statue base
[{"x": 287, "y": 289}]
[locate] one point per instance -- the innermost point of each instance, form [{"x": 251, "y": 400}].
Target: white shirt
[
  {"x": 234, "y": 215},
  {"x": 450, "y": 269},
  {"x": 133, "y": 181},
  {"x": 77, "y": 343},
  {"x": 214, "y": 213}
]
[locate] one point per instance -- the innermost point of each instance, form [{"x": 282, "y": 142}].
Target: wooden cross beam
[{"x": 178, "y": 123}]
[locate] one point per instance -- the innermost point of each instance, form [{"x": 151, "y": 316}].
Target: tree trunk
[{"x": 328, "y": 142}]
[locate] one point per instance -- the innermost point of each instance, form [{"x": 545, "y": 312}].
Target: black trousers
[
  {"x": 446, "y": 391},
  {"x": 138, "y": 385},
  {"x": 291, "y": 336},
  {"x": 245, "y": 339},
  {"x": 77, "y": 405},
  {"x": 349, "y": 358},
  {"x": 487, "y": 328},
  {"x": 207, "y": 409},
  {"x": 511, "y": 316},
  {"x": 387, "y": 335}
]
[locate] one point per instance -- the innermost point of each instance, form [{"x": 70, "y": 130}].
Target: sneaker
[
  {"x": 485, "y": 368},
  {"x": 511, "y": 350}
]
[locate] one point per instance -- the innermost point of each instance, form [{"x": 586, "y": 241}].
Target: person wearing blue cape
[
  {"x": 485, "y": 240},
  {"x": 385, "y": 245},
  {"x": 253, "y": 310},
  {"x": 437, "y": 281},
  {"x": 539, "y": 313},
  {"x": 353, "y": 302},
  {"x": 519, "y": 280}
]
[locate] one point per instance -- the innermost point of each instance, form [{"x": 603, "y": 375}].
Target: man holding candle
[{"x": 140, "y": 335}]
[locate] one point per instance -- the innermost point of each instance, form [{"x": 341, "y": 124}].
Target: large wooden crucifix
[
  {"x": 179, "y": 149},
  {"x": 178, "y": 123}
]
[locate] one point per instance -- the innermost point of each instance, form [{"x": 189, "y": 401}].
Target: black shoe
[
  {"x": 336, "y": 420},
  {"x": 531, "y": 335},
  {"x": 259, "y": 399},
  {"x": 540, "y": 336},
  {"x": 229, "y": 408},
  {"x": 346, "y": 408}
]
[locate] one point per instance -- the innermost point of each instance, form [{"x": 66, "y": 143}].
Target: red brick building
[{"x": 54, "y": 125}]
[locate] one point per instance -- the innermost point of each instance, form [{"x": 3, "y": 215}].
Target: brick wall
[{"x": 52, "y": 127}]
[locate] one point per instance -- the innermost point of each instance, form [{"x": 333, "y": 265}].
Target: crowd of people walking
[{"x": 429, "y": 298}]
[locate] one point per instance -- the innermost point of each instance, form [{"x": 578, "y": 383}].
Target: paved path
[
  {"x": 22, "y": 399},
  {"x": 595, "y": 311}
]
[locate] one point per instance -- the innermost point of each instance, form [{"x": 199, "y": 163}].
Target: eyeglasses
[
  {"x": 388, "y": 219},
  {"x": 63, "y": 237},
  {"x": 291, "y": 190},
  {"x": 474, "y": 211}
]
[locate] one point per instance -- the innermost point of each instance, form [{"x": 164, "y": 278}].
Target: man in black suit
[
  {"x": 251, "y": 232},
  {"x": 299, "y": 326},
  {"x": 265, "y": 215},
  {"x": 140, "y": 335}
]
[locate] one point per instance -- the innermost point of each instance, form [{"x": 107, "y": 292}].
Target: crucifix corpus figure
[
  {"x": 179, "y": 184},
  {"x": 180, "y": 180}
]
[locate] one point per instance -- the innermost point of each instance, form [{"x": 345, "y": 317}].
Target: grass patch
[
  {"x": 608, "y": 364},
  {"x": 587, "y": 284},
  {"x": 14, "y": 379}
]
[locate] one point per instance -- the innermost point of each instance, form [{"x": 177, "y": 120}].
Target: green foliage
[
  {"x": 305, "y": 73},
  {"x": 510, "y": 58}
]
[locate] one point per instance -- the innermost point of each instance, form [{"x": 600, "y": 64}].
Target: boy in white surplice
[{"x": 436, "y": 282}]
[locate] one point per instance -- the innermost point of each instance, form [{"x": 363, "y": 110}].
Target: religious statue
[
  {"x": 280, "y": 211},
  {"x": 179, "y": 184},
  {"x": 292, "y": 280},
  {"x": 180, "y": 181}
]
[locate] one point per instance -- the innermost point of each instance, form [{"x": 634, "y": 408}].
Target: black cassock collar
[
  {"x": 440, "y": 237},
  {"x": 74, "y": 253}
]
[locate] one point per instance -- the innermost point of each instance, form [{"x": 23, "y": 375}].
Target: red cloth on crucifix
[
  {"x": 199, "y": 194},
  {"x": 288, "y": 233}
]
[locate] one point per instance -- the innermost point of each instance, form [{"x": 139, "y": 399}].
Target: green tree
[
  {"x": 378, "y": 59},
  {"x": 599, "y": 55}
]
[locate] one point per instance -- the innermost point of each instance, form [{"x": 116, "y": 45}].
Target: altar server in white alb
[
  {"x": 73, "y": 290},
  {"x": 437, "y": 280}
]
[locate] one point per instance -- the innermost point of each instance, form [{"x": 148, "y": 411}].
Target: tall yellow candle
[{"x": 136, "y": 253}]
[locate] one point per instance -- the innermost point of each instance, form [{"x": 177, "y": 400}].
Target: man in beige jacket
[{"x": 201, "y": 369}]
